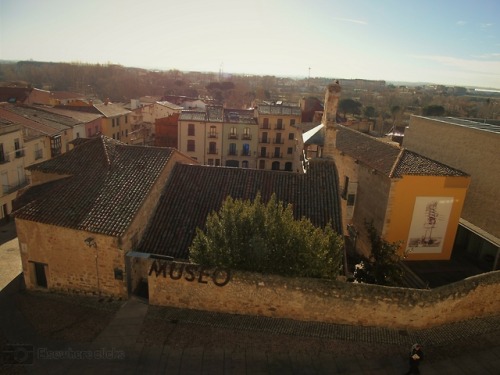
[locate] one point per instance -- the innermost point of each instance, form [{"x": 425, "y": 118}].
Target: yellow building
[
  {"x": 115, "y": 123},
  {"x": 219, "y": 136},
  {"x": 407, "y": 197},
  {"x": 280, "y": 140}
]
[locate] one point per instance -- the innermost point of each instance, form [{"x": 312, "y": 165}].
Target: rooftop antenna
[
  {"x": 309, "y": 77},
  {"x": 221, "y": 71}
]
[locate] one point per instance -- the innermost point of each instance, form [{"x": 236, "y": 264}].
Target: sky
[{"x": 450, "y": 42}]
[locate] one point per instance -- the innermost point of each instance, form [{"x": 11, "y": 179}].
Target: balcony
[
  {"x": 246, "y": 136},
  {"x": 265, "y": 127},
  {"x": 233, "y": 136},
  {"x": 279, "y": 127},
  {"x": 278, "y": 141},
  {"x": 7, "y": 189},
  {"x": 213, "y": 135},
  {"x": 246, "y": 153},
  {"x": 277, "y": 155},
  {"x": 4, "y": 158},
  {"x": 19, "y": 153},
  {"x": 265, "y": 140},
  {"x": 232, "y": 153},
  {"x": 213, "y": 151}
]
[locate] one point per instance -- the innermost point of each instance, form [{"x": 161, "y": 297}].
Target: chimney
[{"x": 106, "y": 101}]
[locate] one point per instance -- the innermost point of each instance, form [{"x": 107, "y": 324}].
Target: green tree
[
  {"x": 266, "y": 238},
  {"x": 434, "y": 110},
  {"x": 350, "y": 106},
  {"x": 370, "y": 112},
  {"x": 382, "y": 267}
]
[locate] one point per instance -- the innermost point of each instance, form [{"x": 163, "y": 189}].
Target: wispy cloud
[
  {"x": 486, "y": 25},
  {"x": 360, "y": 22}
]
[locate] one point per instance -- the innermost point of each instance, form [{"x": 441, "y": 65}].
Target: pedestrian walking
[{"x": 416, "y": 355}]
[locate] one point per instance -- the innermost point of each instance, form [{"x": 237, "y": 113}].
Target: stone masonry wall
[
  {"x": 326, "y": 300},
  {"x": 70, "y": 264}
]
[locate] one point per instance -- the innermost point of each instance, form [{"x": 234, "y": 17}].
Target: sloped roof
[
  {"x": 193, "y": 116},
  {"x": 411, "y": 163},
  {"x": 193, "y": 191},
  {"x": 111, "y": 110},
  {"x": 107, "y": 183},
  {"x": 269, "y": 109},
  {"x": 53, "y": 120},
  {"x": 387, "y": 158},
  {"x": 40, "y": 128},
  {"x": 80, "y": 116}
]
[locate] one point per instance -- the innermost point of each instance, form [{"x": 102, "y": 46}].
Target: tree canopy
[
  {"x": 382, "y": 267},
  {"x": 266, "y": 238},
  {"x": 350, "y": 106}
]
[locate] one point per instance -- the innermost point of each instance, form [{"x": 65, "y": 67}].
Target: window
[
  {"x": 264, "y": 138},
  {"x": 244, "y": 164},
  {"x": 3, "y": 157},
  {"x": 277, "y": 152},
  {"x": 278, "y": 140},
  {"x": 292, "y": 121},
  {"x": 217, "y": 162},
  {"x": 212, "y": 132},
  {"x": 344, "y": 190},
  {"x": 350, "y": 199},
  {"x": 275, "y": 166},
  {"x": 126, "y": 132},
  {"x": 17, "y": 147},
  {"x": 114, "y": 137},
  {"x": 191, "y": 130},
  {"x": 77, "y": 135},
  {"x": 126, "y": 119},
  {"x": 233, "y": 134},
  {"x": 279, "y": 124},
  {"x": 118, "y": 121},
  {"x": 246, "y": 133},
  {"x": 265, "y": 123},
  {"x": 38, "y": 152},
  {"x": 262, "y": 164},
  {"x": 113, "y": 122},
  {"x": 212, "y": 148},
  {"x": 55, "y": 145},
  {"x": 291, "y": 136},
  {"x": 246, "y": 150},
  {"x": 289, "y": 150},
  {"x": 5, "y": 182},
  {"x": 288, "y": 166},
  {"x": 232, "y": 149},
  {"x": 210, "y": 161},
  {"x": 190, "y": 145},
  {"x": 263, "y": 152}
]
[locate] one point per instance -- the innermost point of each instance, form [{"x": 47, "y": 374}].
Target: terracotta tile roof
[
  {"x": 376, "y": 154},
  {"x": 241, "y": 116},
  {"x": 107, "y": 185},
  {"x": 269, "y": 109},
  {"x": 193, "y": 116},
  {"x": 111, "y": 110},
  {"x": 38, "y": 127},
  {"x": 80, "y": 116},
  {"x": 411, "y": 163},
  {"x": 389, "y": 159},
  {"x": 193, "y": 191},
  {"x": 53, "y": 120}
]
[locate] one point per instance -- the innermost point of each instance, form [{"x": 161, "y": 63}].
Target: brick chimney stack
[{"x": 329, "y": 119}]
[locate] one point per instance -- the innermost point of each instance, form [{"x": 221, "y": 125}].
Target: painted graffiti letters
[{"x": 190, "y": 272}]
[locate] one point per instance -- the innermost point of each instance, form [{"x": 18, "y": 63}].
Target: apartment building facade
[
  {"x": 219, "y": 136},
  {"x": 280, "y": 140}
]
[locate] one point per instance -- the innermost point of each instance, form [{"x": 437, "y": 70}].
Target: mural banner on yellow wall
[{"x": 429, "y": 224}]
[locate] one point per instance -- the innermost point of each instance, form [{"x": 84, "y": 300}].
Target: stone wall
[
  {"x": 326, "y": 300},
  {"x": 71, "y": 265}
]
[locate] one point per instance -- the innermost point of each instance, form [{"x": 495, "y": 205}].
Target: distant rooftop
[{"x": 468, "y": 123}]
